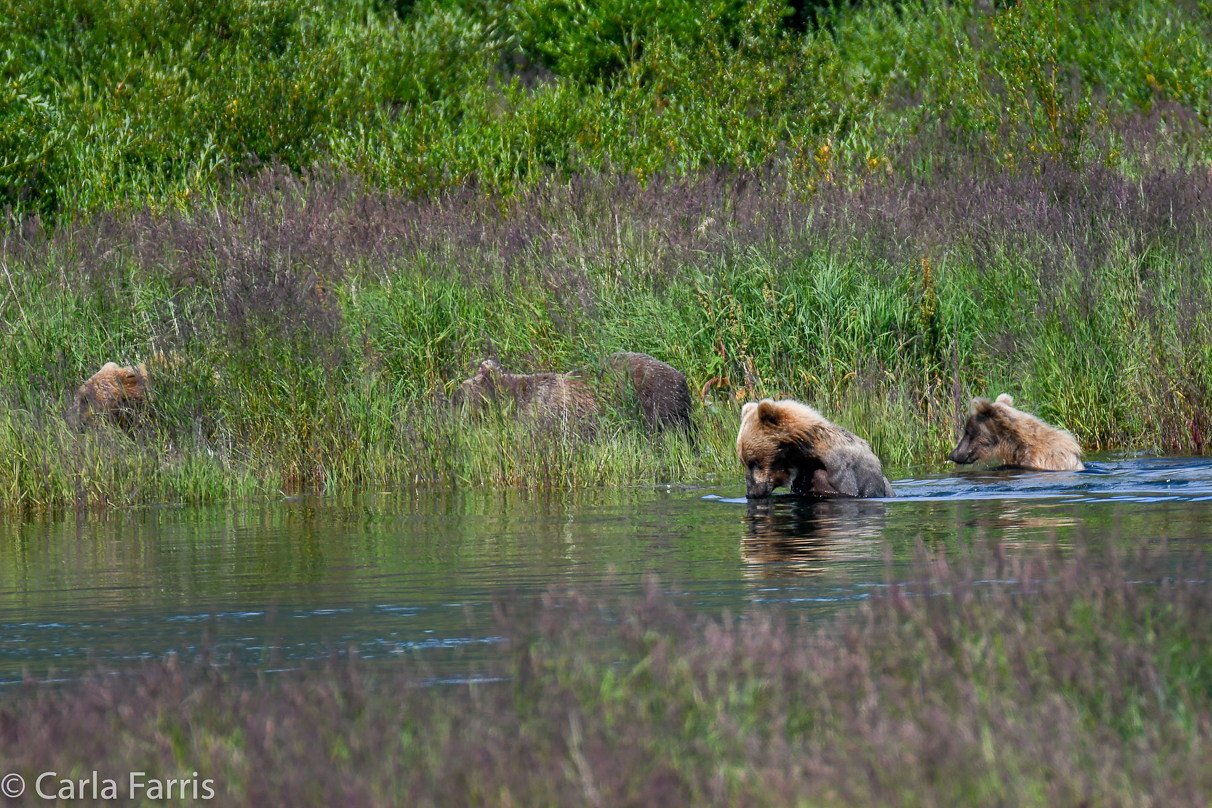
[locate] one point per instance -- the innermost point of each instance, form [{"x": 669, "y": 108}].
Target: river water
[{"x": 418, "y": 574}]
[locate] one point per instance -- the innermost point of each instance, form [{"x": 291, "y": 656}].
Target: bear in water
[
  {"x": 786, "y": 443},
  {"x": 660, "y": 389},
  {"x": 559, "y": 396},
  {"x": 995, "y": 430},
  {"x": 116, "y": 392}
]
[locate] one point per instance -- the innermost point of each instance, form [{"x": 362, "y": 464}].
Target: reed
[{"x": 306, "y": 333}]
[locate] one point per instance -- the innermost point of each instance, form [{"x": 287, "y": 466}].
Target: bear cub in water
[
  {"x": 995, "y": 430},
  {"x": 786, "y": 443}
]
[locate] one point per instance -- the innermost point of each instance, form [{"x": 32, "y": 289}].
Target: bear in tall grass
[
  {"x": 789, "y": 444},
  {"x": 660, "y": 389},
  {"x": 995, "y": 430},
  {"x": 115, "y": 392},
  {"x": 544, "y": 396}
]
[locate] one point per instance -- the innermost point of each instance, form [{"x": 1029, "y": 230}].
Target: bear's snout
[
  {"x": 758, "y": 490},
  {"x": 962, "y": 454},
  {"x": 760, "y": 483}
]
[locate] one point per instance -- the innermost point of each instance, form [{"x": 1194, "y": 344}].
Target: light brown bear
[
  {"x": 540, "y": 395},
  {"x": 995, "y": 430},
  {"x": 117, "y": 392},
  {"x": 786, "y": 443},
  {"x": 660, "y": 389}
]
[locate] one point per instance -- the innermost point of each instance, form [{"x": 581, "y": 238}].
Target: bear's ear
[
  {"x": 981, "y": 406},
  {"x": 1004, "y": 398},
  {"x": 748, "y": 408},
  {"x": 768, "y": 412},
  {"x": 487, "y": 366}
]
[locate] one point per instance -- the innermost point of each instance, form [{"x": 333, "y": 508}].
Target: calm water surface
[{"x": 418, "y": 574}]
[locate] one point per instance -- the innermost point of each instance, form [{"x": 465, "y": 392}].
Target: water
[{"x": 418, "y": 574}]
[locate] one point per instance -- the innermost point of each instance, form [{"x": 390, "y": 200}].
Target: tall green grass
[{"x": 287, "y": 359}]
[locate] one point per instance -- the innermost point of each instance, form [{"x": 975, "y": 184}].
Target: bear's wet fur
[
  {"x": 786, "y": 443},
  {"x": 544, "y": 396},
  {"x": 996, "y": 431},
  {"x": 660, "y": 390},
  {"x": 115, "y": 392}
]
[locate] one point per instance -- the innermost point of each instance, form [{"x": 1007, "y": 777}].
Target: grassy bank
[
  {"x": 311, "y": 330},
  {"x": 322, "y": 216},
  {"x": 119, "y": 104},
  {"x": 1037, "y": 682}
]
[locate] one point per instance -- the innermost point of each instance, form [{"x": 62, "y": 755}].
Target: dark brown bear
[
  {"x": 559, "y": 396},
  {"x": 660, "y": 389},
  {"x": 115, "y": 392},
  {"x": 786, "y": 443}
]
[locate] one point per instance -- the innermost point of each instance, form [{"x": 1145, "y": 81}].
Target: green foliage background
[{"x": 122, "y": 103}]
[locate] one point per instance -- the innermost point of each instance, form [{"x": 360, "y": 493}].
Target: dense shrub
[{"x": 114, "y": 104}]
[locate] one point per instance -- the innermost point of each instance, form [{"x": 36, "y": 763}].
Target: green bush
[{"x": 141, "y": 102}]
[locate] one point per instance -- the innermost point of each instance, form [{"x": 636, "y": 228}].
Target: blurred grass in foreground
[{"x": 1036, "y": 681}]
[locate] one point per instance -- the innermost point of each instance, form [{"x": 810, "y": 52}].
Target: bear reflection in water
[{"x": 791, "y": 535}]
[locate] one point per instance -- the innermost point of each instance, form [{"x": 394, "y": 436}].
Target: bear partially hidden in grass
[
  {"x": 115, "y": 392},
  {"x": 996, "y": 431},
  {"x": 545, "y": 396},
  {"x": 660, "y": 389},
  {"x": 786, "y": 443}
]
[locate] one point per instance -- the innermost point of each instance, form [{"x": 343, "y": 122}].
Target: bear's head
[
  {"x": 780, "y": 444},
  {"x": 987, "y": 422},
  {"x": 479, "y": 388}
]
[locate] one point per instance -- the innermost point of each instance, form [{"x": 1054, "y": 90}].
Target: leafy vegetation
[{"x": 151, "y": 102}]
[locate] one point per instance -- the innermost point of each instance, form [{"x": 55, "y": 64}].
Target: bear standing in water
[
  {"x": 114, "y": 391},
  {"x": 660, "y": 389},
  {"x": 786, "y": 443},
  {"x": 997, "y": 431}
]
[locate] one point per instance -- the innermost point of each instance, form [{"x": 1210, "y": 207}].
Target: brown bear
[
  {"x": 995, "y": 430},
  {"x": 660, "y": 389},
  {"x": 545, "y": 396},
  {"x": 786, "y": 443},
  {"x": 117, "y": 392}
]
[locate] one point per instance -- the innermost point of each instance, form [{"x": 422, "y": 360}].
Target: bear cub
[
  {"x": 116, "y": 392},
  {"x": 546, "y": 396},
  {"x": 660, "y": 389},
  {"x": 995, "y": 430},
  {"x": 786, "y": 443}
]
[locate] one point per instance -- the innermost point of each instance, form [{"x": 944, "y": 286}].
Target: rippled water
[{"x": 418, "y": 574}]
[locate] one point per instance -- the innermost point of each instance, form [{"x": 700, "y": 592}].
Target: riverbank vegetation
[
  {"x": 1039, "y": 680},
  {"x": 315, "y": 220},
  {"x": 308, "y": 333}
]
